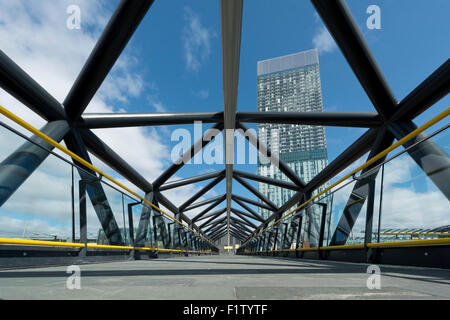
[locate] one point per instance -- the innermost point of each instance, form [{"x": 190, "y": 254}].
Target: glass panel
[
  {"x": 41, "y": 208},
  {"x": 413, "y": 207}
]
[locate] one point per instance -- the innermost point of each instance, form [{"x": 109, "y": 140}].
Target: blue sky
[
  {"x": 409, "y": 47},
  {"x": 173, "y": 63}
]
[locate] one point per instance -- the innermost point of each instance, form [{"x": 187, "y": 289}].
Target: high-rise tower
[{"x": 291, "y": 84}]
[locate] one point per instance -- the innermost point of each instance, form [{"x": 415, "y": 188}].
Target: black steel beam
[
  {"x": 276, "y": 161},
  {"x": 122, "y": 120},
  {"x": 240, "y": 230},
  {"x": 255, "y": 192},
  {"x": 221, "y": 231},
  {"x": 211, "y": 220},
  {"x": 95, "y": 190},
  {"x": 166, "y": 202},
  {"x": 360, "y": 192},
  {"x": 338, "y": 19},
  {"x": 242, "y": 223},
  {"x": 20, "y": 85},
  {"x": 426, "y": 94},
  {"x": 237, "y": 236},
  {"x": 204, "y": 202},
  {"x": 220, "y": 224},
  {"x": 144, "y": 221},
  {"x": 195, "y": 148},
  {"x": 202, "y": 215},
  {"x": 209, "y": 215},
  {"x": 186, "y": 181},
  {"x": 253, "y": 214},
  {"x": 19, "y": 165},
  {"x": 231, "y": 29},
  {"x": 219, "y": 235},
  {"x": 242, "y": 215},
  {"x": 214, "y": 227},
  {"x": 274, "y": 182},
  {"x": 102, "y": 151},
  {"x": 429, "y": 156},
  {"x": 216, "y": 235},
  {"x": 113, "y": 40},
  {"x": 205, "y": 189},
  {"x": 346, "y": 158},
  {"x": 250, "y": 201},
  {"x": 339, "y": 119},
  {"x": 213, "y": 215}
]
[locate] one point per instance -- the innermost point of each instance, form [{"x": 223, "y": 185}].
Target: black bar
[
  {"x": 250, "y": 201},
  {"x": 122, "y": 120},
  {"x": 369, "y": 213},
  {"x": 253, "y": 213},
  {"x": 279, "y": 163},
  {"x": 322, "y": 223},
  {"x": 202, "y": 215},
  {"x": 196, "y": 147},
  {"x": 242, "y": 215},
  {"x": 337, "y": 17},
  {"x": 212, "y": 219},
  {"x": 255, "y": 192},
  {"x": 20, "y": 85},
  {"x": 274, "y": 182},
  {"x": 95, "y": 145},
  {"x": 186, "y": 181},
  {"x": 340, "y": 119},
  {"x": 113, "y": 40},
  {"x": 430, "y": 91},
  {"x": 202, "y": 203},
  {"x": 83, "y": 218},
  {"x": 205, "y": 189}
]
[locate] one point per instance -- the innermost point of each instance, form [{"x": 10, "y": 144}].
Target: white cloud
[
  {"x": 202, "y": 94},
  {"x": 322, "y": 38},
  {"x": 196, "y": 40},
  {"x": 156, "y": 103},
  {"x": 410, "y": 199},
  {"x": 323, "y": 41},
  {"x": 34, "y": 35}
]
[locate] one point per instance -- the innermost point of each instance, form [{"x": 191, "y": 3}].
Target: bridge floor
[{"x": 225, "y": 277}]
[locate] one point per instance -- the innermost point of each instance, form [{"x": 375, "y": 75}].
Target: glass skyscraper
[{"x": 291, "y": 84}]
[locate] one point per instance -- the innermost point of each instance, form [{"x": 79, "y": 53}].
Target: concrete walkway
[{"x": 225, "y": 277}]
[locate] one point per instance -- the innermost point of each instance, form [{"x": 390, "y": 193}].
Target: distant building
[{"x": 291, "y": 84}]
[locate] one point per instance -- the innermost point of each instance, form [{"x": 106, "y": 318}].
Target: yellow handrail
[
  {"x": 409, "y": 243},
  {"x": 380, "y": 155},
  {"x": 74, "y": 156},
  {"x": 88, "y": 245}
]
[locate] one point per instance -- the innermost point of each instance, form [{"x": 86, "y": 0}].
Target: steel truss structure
[{"x": 67, "y": 122}]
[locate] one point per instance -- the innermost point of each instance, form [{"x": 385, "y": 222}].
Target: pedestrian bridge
[
  {"x": 226, "y": 277},
  {"x": 381, "y": 205}
]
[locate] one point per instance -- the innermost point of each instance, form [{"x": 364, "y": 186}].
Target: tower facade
[{"x": 291, "y": 84}]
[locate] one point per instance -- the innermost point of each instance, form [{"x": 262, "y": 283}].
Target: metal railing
[
  {"x": 163, "y": 232},
  {"x": 316, "y": 214}
]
